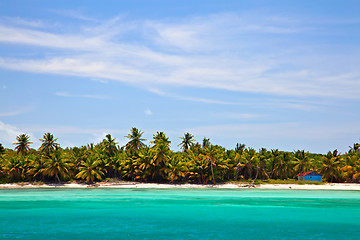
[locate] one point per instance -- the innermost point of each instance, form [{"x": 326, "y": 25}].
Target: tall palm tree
[
  {"x": 275, "y": 153},
  {"x": 160, "y": 138},
  {"x": 22, "y": 144},
  {"x": 187, "y": 141},
  {"x": 136, "y": 142},
  {"x": 109, "y": 145},
  {"x": 56, "y": 166},
  {"x": 210, "y": 159},
  {"x": 48, "y": 143},
  {"x": 249, "y": 162},
  {"x": 263, "y": 163},
  {"x": 160, "y": 154}
]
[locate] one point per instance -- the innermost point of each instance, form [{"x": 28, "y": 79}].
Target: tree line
[{"x": 202, "y": 163}]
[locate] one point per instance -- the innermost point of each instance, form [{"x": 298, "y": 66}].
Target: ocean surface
[{"x": 178, "y": 214}]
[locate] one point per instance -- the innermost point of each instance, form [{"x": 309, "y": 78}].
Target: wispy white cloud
[
  {"x": 216, "y": 31},
  {"x": 18, "y": 21},
  {"x": 75, "y": 14},
  {"x": 190, "y": 99},
  {"x": 8, "y": 133},
  {"x": 27, "y": 36},
  {"x": 66, "y": 94},
  {"x": 240, "y": 115},
  {"x": 60, "y": 129},
  {"x": 207, "y": 52},
  {"x": 288, "y": 103},
  {"x": 104, "y": 81},
  {"x": 16, "y": 112}
]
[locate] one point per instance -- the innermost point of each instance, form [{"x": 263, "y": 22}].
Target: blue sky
[{"x": 274, "y": 74}]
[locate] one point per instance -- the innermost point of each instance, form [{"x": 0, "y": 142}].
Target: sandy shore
[{"x": 329, "y": 186}]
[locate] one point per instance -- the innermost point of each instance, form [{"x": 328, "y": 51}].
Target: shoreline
[{"x": 131, "y": 185}]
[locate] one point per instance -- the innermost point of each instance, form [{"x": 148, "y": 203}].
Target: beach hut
[{"x": 309, "y": 176}]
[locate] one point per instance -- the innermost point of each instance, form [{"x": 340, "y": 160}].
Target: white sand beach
[{"x": 328, "y": 186}]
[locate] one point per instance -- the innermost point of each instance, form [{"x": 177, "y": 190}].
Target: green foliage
[
  {"x": 136, "y": 142},
  {"x": 2, "y": 149},
  {"x": 48, "y": 144},
  {"x": 187, "y": 141},
  {"x": 90, "y": 169},
  {"x": 22, "y": 144},
  {"x": 56, "y": 166},
  {"x": 197, "y": 163}
]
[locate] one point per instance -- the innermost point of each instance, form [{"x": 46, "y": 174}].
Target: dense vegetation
[{"x": 196, "y": 163}]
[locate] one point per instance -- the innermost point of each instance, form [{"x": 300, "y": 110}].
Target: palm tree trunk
[
  {"x": 257, "y": 173},
  {"x": 212, "y": 171}
]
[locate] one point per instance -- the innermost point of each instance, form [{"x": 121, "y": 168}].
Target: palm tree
[
  {"x": 160, "y": 138},
  {"x": 330, "y": 165},
  {"x": 240, "y": 148},
  {"x": 56, "y": 166},
  {"x": 249, "y": 162},
  {"x": 48, "y": 143},
  {"x": 198, "y": 168},
  {"x": 301, "y": 160},
  {"x": 12, "y": 167},
  {"x": 216, "y": 163},
  {"x": 109, "y": 145},
  {"x": 37, "y": 169},
  {"x": 128, "y": 166},
  {"x": 144, "y": 167},
  {"x": 355, "y": 148},
  {"x": 2, "y": 149},
  {"x": 136, "y": 142},
  {"x": 177, "y": 169},
  {"x": 90, "y": 170},
  {"x": 206, "y": 143},
  {"x": 275, "y": 153},
  {"x": 263, "y": 163},
  {"x": 187, "y": 141},
  {"x": 22, "y": 146},
  {"x": 161, "y": 154},
  {"x": 210, "y": 158},
  {"x": 283, "y": 166}
]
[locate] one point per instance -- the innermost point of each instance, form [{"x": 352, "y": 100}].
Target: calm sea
[{"x": 178, "y": 214}]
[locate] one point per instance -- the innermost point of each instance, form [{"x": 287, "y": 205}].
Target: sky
[{"x": 276, "y": 74}]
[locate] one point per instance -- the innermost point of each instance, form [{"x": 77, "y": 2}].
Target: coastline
[{"x": 327, "y": 186}]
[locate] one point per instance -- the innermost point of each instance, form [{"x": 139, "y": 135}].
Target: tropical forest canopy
[{"x": 197, "y": 162}]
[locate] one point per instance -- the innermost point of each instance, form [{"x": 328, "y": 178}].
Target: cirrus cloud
[{"x": 218, "y": 51}]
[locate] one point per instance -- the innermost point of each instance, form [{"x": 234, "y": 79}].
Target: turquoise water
[{"x": 178, "y": 214}]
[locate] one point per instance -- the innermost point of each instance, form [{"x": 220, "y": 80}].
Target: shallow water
[{"x": 178, "y": 214}]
